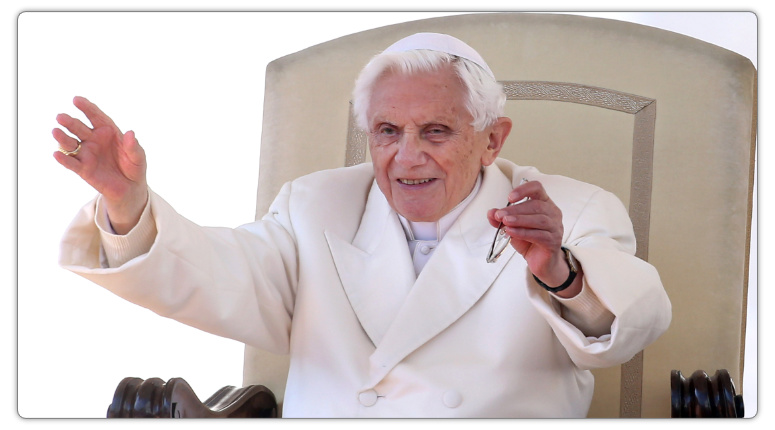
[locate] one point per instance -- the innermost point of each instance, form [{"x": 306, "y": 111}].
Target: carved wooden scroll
[
  {"x": 154, "y": 398},
  {"x": 702, "y": 396}
]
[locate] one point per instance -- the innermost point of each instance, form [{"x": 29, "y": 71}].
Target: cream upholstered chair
[{"x": 664, "y": 121}]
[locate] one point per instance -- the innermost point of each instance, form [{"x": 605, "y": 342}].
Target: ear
[{"x": 497, "y": 134}]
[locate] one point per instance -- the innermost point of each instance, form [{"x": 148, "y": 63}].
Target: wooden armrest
[
  {"x": 702, "y": 396},
  {"x": 153, "y": 398}
]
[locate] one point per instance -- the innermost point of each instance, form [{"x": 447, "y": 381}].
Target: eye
[
  {"x": 387, "y": 130},
  {"x": 437, "y": 133},
  {"x": 385, "y": 134}
]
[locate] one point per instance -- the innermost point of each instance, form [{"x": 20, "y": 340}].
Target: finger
[
  {"x": 65, "y": 142},
  {"x": 70, "y": 163},
  {"x": 75, "y": 126},
  {"x": 499, "y": 213},
  {"x": 538, "y": 222},
  {"x": 96, "y": 116},
  {"x": 534, "y": 207},
  {"x": 533, "y": 190},
  {"x": 132, "y": 148},
  {"x": 492, "y": 219},
  {"x": 534, "y": 214},
  {"x": 541, "y": 238}
]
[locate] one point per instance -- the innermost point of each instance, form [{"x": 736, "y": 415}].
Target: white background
[{"x": 191, "y": 86}]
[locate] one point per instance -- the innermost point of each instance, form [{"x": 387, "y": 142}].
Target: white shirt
[{"x": 424, "y": 237}]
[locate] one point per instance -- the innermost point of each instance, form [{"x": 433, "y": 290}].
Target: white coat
[{"x": 326, "y": 276}]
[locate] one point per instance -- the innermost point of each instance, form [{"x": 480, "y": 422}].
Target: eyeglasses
[{"x": 502, "y": 240}]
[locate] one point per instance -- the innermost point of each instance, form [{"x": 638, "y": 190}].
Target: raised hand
[
  {"x": 536, "y": 231},
  {"x": 110, "y": 161}
]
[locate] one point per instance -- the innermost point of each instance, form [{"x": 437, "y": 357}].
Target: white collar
[{"x": 437, "y": 229}]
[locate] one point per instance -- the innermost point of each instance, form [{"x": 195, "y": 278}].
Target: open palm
[{"x": 110, "y": 161}]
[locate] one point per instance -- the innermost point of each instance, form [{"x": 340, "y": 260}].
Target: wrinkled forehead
[{"x": 423, "y": 97}]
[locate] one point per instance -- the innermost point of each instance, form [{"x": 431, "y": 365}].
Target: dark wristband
[{"x": 571, "y": 276}]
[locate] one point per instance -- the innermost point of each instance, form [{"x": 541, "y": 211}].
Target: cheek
[
  {"x": 461, "y": 165},
  {"x": 459, "y": 160},
  {"x": 380, "y": 160}
]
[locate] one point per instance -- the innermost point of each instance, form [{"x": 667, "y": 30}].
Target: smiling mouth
[{"x": 415, "y": 181}]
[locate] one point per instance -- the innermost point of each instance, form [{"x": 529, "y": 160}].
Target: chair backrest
[{"x": 664, "y": 121}]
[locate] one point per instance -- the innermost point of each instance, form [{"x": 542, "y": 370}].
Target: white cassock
[{"x": 326, "y": 277}]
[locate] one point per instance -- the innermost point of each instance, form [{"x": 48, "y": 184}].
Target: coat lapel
[
  {"x": 398, "y": 311},
  {"x": 376, "y": 269},
  {"x": 454, "y": 279}
]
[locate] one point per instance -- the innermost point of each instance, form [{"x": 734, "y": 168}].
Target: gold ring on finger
[{"x": 72, "y": 153}]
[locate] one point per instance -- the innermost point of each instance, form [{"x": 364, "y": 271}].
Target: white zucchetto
[{"x": 441, "y": 43}]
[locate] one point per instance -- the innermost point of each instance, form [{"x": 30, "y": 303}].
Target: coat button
[
  {"x": 425, "y": 249},
  {"x": 368, "y": 398},
  {"x": 452, "y": 398}
]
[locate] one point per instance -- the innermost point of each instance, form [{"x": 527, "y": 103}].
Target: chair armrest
[
  {"x": 153, "y": 398},
  {"x": 702, "y": 396}
]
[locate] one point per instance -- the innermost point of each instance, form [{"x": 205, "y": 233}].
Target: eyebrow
[{"x": 449, "y": 121}]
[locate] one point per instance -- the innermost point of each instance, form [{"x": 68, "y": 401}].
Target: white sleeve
[
  {"x": 587, "y": 313},
  {"x": 236, "y": 283},
  {"x": 600, "y": 237},
  {"x": 118, "y": 249}
]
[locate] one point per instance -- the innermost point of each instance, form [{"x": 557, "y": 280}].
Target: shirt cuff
[
  {"x": 587, "y": 312},
  {"x": 118, "y": 249}
]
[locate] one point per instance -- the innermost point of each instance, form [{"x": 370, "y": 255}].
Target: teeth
[{"x": 414, "y": 181}]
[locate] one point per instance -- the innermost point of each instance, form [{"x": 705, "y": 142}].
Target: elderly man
[{"x": 380, "y": 280}]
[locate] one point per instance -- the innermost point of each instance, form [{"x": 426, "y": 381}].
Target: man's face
[{"x": 425, "y": 152}]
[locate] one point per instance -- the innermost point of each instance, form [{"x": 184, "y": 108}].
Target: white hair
[{"x": 485, "y": 97}]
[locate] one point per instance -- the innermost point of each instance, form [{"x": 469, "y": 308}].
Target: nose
[{"x": 410, "y": 151}]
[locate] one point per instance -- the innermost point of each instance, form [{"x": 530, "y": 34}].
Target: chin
[{"x": 420, "y": 215}]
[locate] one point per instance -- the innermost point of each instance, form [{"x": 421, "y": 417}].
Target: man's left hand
[{"x": 536, "y": 231}]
